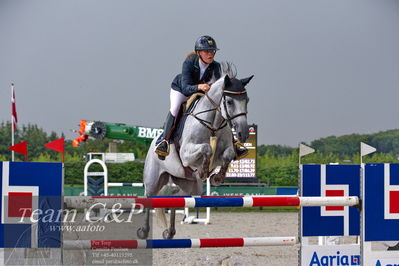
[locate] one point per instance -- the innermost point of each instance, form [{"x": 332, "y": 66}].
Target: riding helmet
[{"x": 205, "y": 43}]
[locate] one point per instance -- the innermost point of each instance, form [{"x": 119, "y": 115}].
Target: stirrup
[{"x": 160, "y": 152}]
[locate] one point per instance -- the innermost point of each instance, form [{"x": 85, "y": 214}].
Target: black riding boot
[{"x": 162, "y": 148}]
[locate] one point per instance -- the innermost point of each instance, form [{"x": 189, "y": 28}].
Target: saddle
[
  {"x": 192, "y": 99},
  {"x": 185, "y": 108}
]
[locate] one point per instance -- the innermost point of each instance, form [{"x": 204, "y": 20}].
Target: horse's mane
[
  {"x": 229, "y": 69},
  {"x": 226, "y": 68}
]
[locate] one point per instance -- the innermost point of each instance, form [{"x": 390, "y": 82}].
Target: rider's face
[{"x": 207, "y": 56}]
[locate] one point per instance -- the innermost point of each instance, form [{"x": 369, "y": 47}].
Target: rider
[{"x": 198, "y": 70}]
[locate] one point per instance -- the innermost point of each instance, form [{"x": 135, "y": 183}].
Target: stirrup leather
[{"x": 161, "y": 152}]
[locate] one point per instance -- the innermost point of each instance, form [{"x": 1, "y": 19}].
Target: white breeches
[{"x": 176, "y": 99}]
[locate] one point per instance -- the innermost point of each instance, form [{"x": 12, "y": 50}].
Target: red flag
[
  {"x": 13, "y": 108},
  {"x": 21, "y": 148},
  {"x": 57, "y": 145}
]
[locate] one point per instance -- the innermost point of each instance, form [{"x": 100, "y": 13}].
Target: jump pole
[
  {"x": 192, "y": 202},
  {"x": 181, "y": 243}
]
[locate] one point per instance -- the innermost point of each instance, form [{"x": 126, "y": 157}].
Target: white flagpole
[
  {"x": 304, "y": 150},
  {"x": 364, "y": 150},
  {"x": 12, "y": 121}
]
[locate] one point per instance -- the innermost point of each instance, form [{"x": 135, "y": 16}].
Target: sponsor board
[
  {"x": 330, "y": 180},
  {"x": 381, "y": 213},
  {"x": 333, "y": 255},
  {"x": 385, "y": 262},
  {"x": 381, "y": 202},
  {"x": 149, "y": 133},
  {"x": 30, "y": 191}
]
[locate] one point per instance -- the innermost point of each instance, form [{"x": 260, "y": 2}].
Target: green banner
[
  {"x": 242, "y": 191},
  {"x": 215, "y": 191}
]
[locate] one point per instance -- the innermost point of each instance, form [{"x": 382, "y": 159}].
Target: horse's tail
[{"x": 160, "y": 213}]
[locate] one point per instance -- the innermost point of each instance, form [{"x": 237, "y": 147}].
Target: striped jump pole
[
  {"x": 125, "y": 185},
  {"x": 192, "y": 202},
  {"x": 180, "y": 243}
]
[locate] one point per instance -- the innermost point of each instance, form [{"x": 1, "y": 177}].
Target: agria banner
[
  {"x": 30, "y": 203},
  {"x": 330, "y": 180}
]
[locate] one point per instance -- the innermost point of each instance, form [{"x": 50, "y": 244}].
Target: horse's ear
[
  {"x": 227, "y": 80},
  {"x": 246, "y": 80}
]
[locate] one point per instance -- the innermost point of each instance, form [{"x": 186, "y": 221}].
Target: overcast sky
[{"x": 321, "y": 67}]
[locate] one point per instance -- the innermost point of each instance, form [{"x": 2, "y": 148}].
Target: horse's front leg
[
  {"x": 218, "y": 178},
  {"x": 170, "y": 232},
  {"x": 143, "y": 231},
  {"x": 197, "y": 155}
]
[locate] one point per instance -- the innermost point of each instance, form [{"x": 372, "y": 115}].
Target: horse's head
[{"x": 234, "y": 105}]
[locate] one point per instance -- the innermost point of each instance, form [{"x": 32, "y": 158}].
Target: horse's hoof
[
  {"x": 216, "y": 181},
  {"x": 168, "y": 234},
  {"x": 174, "y": 190},
  {"x": 203, "y": 175},
  {"x": 142, "y": 233},
  {"x": 396, "y": 247}
]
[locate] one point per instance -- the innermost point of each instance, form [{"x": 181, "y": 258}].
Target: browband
[{"x": 236, "y": 92}]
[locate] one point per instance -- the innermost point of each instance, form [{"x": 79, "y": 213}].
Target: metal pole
[{"x": 12, "y": 121}]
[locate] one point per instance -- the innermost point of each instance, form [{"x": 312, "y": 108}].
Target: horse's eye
[{"x": 229, "y": 102}]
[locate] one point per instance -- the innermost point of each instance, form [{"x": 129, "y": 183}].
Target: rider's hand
[{"x": 204, "y": 87}]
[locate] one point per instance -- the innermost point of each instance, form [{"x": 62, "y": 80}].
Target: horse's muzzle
[{"x": 242, "y": 133}]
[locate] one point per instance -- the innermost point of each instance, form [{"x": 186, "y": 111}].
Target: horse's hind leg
[
  {"x": 153, "y": 183},
  {"x": 187, "y": 187},
  {"x": 143, "y": 231},
  {"x": 170, "y": 232}
]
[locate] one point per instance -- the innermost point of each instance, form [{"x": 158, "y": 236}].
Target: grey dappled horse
[{"x": 222, "y": 108}]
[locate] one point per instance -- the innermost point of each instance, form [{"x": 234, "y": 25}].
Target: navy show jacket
[{"x": 187, "y": 82}]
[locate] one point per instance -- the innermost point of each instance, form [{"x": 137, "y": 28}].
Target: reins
[{"x": 216, "y": 108}]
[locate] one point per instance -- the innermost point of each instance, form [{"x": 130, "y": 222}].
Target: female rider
[{"x": 198, "y": 70}]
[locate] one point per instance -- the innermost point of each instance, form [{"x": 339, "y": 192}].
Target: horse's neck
[
  {"x": 212, "y": 101},
  {"x": 216, "y": 95}
]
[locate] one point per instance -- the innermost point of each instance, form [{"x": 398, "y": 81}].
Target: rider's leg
[
  {"x": 176, "y": 99},
  {"x": 162, "y": 147}
]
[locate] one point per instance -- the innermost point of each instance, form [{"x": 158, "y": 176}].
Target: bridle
[{"x": 216, "y": 107}]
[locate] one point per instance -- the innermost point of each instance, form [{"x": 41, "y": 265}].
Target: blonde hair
[{"x": 190, "y": 54}]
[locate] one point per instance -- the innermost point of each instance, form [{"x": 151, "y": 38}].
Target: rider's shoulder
[{"x": 192, "y": 58}]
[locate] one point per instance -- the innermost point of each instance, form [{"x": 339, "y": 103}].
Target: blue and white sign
[
  {"x": 381, "y": 214},
  {"x": 330, "y": 180},
  {"x": 381, "y": 202},
  {"x": 330, "y": 255},
  {"x": 30, "y": 192}
]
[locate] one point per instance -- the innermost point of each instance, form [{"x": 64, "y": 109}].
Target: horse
[{"x": 206, "y": 143}]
